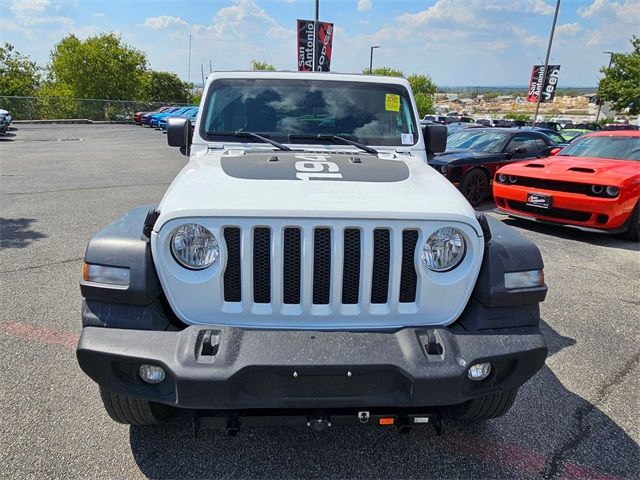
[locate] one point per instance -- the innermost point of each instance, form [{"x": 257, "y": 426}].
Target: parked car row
[
  {"x": 591, "y": 181},
  {"x": 5, "y": 121},
  {"x": 158, "y": 118}
]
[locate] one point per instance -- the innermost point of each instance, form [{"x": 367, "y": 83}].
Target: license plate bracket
[{"x": 539, "y": 200}]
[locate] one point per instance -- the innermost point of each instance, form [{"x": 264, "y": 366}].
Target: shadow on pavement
[
  {"x": 17, "y": 232},
  {"x": 567, "y": 233},
  {"x": 7, "y": 137},
  {"x": 549, "y": 433}
]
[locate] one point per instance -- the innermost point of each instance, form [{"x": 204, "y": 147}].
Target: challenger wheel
[
  {"x": 484, "y": 408},
  {"x": 475, "y": 186},
  {"x": 633, "y": 232},
  {"x": 133, "y": 411}
]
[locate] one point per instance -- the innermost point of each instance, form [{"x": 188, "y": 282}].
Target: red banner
[{"x": 315, "y": 40}]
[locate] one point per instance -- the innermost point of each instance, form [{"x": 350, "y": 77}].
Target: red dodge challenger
[{"x": 593, "y": 184}]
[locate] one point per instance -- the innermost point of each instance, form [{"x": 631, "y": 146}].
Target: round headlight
[
  {"x": 597, "y": 189},
  {"x": 502, "y": 178},
  {"x": 444, "y": 249},
  {"x": 513, "y": 179},
  {"x": 613, "y": 191},
  {"x": 444, "y": 169},
  {"x": 194, "y": 247}
]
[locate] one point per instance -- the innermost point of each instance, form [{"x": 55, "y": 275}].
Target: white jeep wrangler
[{"x": 307, "y": 267}]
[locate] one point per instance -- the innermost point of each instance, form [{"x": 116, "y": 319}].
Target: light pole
[
  {"x": 600, "y": 101},
  {"x": 371, "y": 58},
  {"x": 546, "y": 61}
]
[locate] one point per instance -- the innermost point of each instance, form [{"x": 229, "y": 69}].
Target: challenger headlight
[
  {"x": 194, "y": 247},
  {"x": 444, "y": 249}
]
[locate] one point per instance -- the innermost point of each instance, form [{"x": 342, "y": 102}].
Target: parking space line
[{"x": 39, "y": 334}]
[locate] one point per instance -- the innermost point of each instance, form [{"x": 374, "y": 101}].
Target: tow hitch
[{"x": 319, "y": 420}]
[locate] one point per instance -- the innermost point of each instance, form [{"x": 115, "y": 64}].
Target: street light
[
  {"x": 546, "y": 60},
  {"x": 371, "y": 58}
]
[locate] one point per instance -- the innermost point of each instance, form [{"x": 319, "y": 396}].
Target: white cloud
[
  {"x": 163, "y": 21},
  {"x": 449, "y": 10},
  {"x": 26, "y": 7},
  {"x": 98, "y": 14},
  {"x": 540, "y": 7},
  {"x": 628, "y": 10},
  {"x": 569, "y": 29},
  {"x": 364, "y": 5}
]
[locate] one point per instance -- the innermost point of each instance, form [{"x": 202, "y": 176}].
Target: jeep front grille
[{"x": 351, "y": 266}]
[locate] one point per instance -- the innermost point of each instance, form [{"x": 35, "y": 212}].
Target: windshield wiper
[
  {"x": 243, "y": 134},
  {"x": 333, "y": 138}
]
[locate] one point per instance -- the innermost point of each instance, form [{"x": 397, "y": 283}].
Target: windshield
[
  {"x": 369, "y": 113},
  {"x": 618, "y": 147},
  {"x": 491, "y": 142}
]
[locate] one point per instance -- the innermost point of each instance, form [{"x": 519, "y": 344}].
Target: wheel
[
  {"x": 133, "y": 411},
  {"x": 633, "y": 232},
  {"x": 475, "y": 186},
  {"x": 484, "y": 408}
]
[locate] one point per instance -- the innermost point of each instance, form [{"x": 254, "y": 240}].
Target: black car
[{"x": 473, "y": 156}]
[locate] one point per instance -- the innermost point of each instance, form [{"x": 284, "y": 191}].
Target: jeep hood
[{"x": 267, "y": 183}]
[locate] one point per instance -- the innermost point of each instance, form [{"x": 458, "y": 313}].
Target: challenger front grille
[{"x": 321, "y": 266}]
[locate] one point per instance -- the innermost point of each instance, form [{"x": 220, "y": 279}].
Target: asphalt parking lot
[{"x": 60, "y": 184}]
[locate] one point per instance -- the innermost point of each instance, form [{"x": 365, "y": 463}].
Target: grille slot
[
  {"x": 232, "y": 277},
  {"x": 308, "y": 267},
  {"x": 408, "y": 276},
  {"x": 292, "y": 266},
  {"x": 380, "y": 272},
  {"x": 351, "y": 267},
  {"x": 262, "y": 265},
  {"x": 321, "y": 266}
]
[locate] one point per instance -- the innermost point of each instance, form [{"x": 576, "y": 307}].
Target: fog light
[
  {"x": 479, "y": 371},
  {"x": 151, "y": 373}
]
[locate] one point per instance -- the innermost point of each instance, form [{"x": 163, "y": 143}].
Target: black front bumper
[{"x": 247, "y": 369}]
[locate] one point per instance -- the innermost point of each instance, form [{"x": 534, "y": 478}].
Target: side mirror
[
  {"x": 435, "y": 139},
  {"x": 179, "y": 133},
  {"x": 520, "y": 150},
  {"x": 554, "y": 151}
]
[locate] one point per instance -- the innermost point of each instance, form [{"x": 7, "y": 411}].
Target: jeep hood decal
[{"x": 312, "y": 167}]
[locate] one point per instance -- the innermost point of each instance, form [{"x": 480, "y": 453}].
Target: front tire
[
  {"x": 475, "y": 186},
  {"x": 134, "y": 411},
  {"x": 483, "y": 408},
  {"x": 633, "y": 231}
]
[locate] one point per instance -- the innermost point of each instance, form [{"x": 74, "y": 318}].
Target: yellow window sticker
[{"x": 392, "y": 102}]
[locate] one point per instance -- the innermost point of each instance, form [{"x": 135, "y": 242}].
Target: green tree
[
  {"x": 524, "y": 117},
  {"x": 19, "y": 76},
  {"x": 98, "y": 67},
  {"x": 385, "y": 71},
  {"x": 423, "y": 90},
  {"x": 621, "y": 82},
  {"x": 257, "y": 65},
  {"x": 166, "y": 87}
]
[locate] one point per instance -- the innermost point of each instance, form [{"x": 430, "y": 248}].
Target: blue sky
[{"x": 457, "y": 42}]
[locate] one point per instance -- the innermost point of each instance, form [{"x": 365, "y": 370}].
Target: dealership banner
[
  {"x": 315, "y": 41},
  {"x": 541, "y": 84}
]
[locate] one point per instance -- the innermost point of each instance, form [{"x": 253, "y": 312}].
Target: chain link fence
[{"x": 63, "y": 108}]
